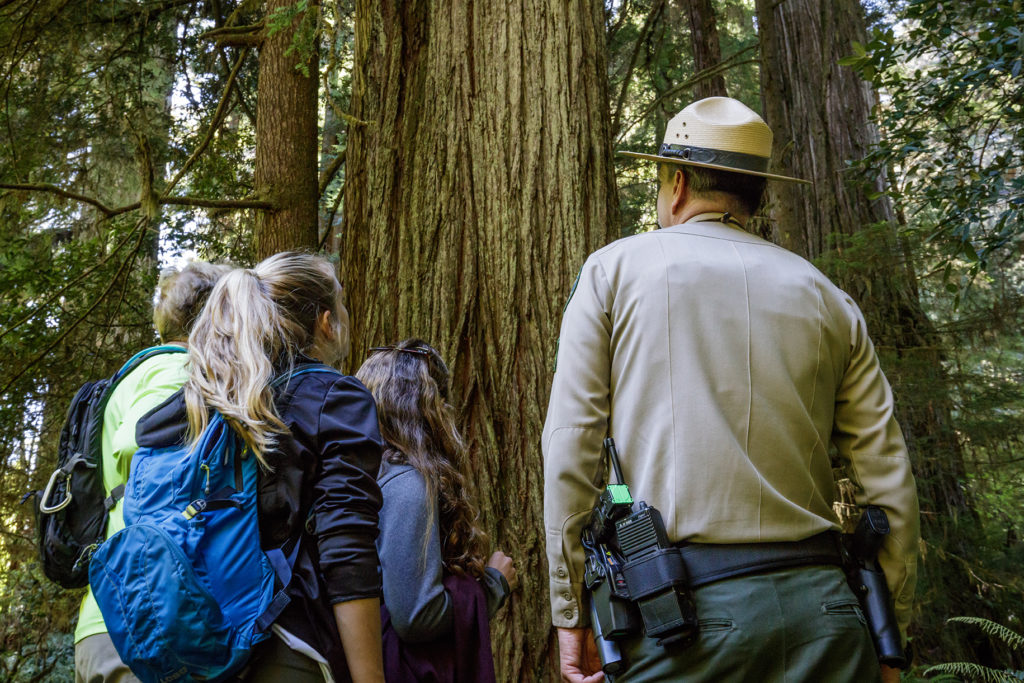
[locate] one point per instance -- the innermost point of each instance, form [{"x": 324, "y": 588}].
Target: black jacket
[{"x": 322, "y": 492}]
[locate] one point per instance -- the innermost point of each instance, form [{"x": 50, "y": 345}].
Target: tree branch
[
  {"x": 141, "y": 11},
  {"x": 332, "y": 170},
  {"x": 219, "y": 22},
  {"x": 231, "y": 30},
  {"x": 218, "y": 116},
  {"x": 239, "y": 93},
  {"x": 656, "y": 9},
  {"x": 330, "y": 219},
  {"x": 218, "y": 203},
  {"x": 67, "y": 194},
  {"x": 179, "y": 200},
  {"x": 140, "y": 226},
  {"x": 614, "y": 28},
  {"x": 723, "y": 66},
  {"x": 241, "y": 40},
  {"x": 236, "y": 36}
]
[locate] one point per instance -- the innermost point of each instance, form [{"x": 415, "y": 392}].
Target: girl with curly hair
[{"x": 431, "y": 547}]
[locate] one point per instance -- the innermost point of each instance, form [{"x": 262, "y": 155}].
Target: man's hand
[
  {"x": 890, "y": 675},
  {"x": 577, "y": 656}
]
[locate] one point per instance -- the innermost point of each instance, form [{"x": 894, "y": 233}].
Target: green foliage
[
  {"x": 35, "y": 629},
  {"x": 339, "y": 36},
  {"x": 652, "y": 77},
  {"x": 952, "y": 117},
  {"x": 967, "y": 671},
  {"x": 1013, "y": 639},
  {"x": 951, "y": 127},
  {"x": 976, "y": 672},
  {"x": 111, "y": 115},
  {"x": 304, "y": 40}
]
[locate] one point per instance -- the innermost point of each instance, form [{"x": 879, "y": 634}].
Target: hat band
[{"x": 705, "y": 155}]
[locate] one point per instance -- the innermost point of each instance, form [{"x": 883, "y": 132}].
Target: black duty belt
[{"x": 707, "y": 563}]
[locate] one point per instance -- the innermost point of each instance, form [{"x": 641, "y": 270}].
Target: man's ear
[{"x": 680, "y": 191}]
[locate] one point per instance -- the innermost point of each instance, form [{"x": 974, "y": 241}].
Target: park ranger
[{"x": 724, "y": 366}]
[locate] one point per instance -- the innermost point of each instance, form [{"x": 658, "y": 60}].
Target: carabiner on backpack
[
  {"x": 64, "y": 473},
  {"x": 45, "y": 509}
]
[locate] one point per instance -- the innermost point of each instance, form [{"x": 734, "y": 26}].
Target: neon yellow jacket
[{"x": 141, "y": 390}]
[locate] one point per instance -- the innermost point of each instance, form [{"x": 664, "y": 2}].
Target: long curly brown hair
[{"x": 409, "y": 382}]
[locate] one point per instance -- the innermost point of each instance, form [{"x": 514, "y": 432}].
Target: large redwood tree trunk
[
  {"x": 820, "y": 114},
  {"x": 478, "y": 178},
  {"x": 286, "y": 142}
]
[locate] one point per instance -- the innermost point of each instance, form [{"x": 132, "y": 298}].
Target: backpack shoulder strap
[
  {"x": 142, "y": 356},
  {"x": 118, "y": 491}
]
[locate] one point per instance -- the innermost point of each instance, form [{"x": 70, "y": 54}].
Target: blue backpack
[{"x": 184, "y": 588}]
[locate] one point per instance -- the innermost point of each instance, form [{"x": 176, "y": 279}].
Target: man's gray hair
[{"x": 741, "y": 192}]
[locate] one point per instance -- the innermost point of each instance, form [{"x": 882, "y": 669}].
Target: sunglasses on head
[
  {"x": 416, "y": 350},
  {"x": 433, "y": 360}
]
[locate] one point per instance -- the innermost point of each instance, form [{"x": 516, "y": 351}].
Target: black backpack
[{"x": 71, "y": 512}]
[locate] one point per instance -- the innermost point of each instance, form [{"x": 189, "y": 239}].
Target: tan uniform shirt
[{"x": 723, "y": 366}]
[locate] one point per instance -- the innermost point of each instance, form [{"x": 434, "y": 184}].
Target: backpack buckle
[
  {"x": 50, "y": 509},
  {"x": 194, "y": 508},
  {"x": 84, "y": 556}
]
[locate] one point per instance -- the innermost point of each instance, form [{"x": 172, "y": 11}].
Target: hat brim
[{"x": 674, "y": 160}]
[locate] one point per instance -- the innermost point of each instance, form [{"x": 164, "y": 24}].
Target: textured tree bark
[
  {"x": 286, "y": 143},
  {"x": 820, "y": 114},
  {"x": 707, "y": 50},
  {"x": 478, "y": 178}
]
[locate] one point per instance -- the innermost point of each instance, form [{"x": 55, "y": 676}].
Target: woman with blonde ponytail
[{"x": 316, "y": 437}]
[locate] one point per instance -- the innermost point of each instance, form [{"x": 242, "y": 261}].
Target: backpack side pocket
[{"x": 158, "y": 612}]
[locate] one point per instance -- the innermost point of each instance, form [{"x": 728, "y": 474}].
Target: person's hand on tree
[{"x": 503, "y": 563}]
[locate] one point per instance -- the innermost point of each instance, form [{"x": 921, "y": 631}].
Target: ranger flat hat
[{"x": 719, "y": 133}]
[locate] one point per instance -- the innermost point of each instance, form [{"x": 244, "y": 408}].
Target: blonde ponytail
[{"x": 253, "y": 325}]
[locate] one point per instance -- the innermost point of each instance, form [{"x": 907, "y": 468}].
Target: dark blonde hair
[
  {"x": 409, "y": 382},
  {"x": 255, "y": 322},
  {"x": 181, "y": 295}
]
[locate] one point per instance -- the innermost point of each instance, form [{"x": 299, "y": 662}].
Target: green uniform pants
[{"x": 794, "y": 625}]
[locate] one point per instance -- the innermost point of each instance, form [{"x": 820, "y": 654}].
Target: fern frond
[
  {"x": 967, "y": 671},
  {"x": 994, "y": 630}
]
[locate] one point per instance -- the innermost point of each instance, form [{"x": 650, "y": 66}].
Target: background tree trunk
[
  {"x": 478, "y": 178},
  {"x": 820, "y": 114},
  {"x": 286, "y": 141},
  {"x": 707, "y": 50}
]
